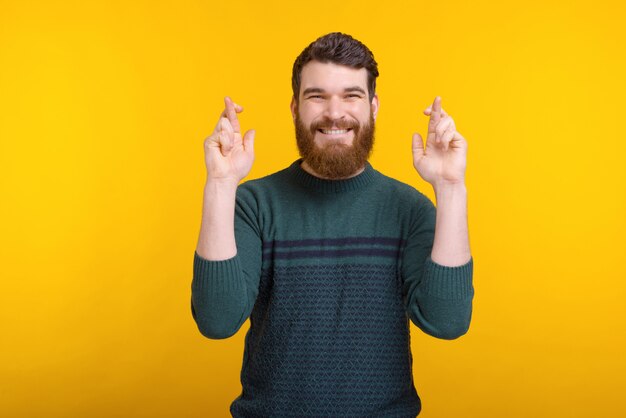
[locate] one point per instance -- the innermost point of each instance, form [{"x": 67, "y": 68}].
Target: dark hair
[{"x": 338, "y": 48}]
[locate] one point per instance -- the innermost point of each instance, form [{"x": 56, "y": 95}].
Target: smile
[{"x": 334, "y": 131}]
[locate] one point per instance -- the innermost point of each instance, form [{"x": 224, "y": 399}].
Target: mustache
[{"x": 337, "y": 124}]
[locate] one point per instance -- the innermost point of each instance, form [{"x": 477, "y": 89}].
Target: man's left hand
[{"x": 443, "y": 161}]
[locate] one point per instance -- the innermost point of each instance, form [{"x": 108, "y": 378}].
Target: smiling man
[
  {"x": 334, "y": 117},
  {"x": 329, "y": 258}
]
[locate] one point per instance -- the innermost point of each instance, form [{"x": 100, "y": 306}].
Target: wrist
[
  {"x": 221, "y": 185},
  {"x": 222, "y": 181},
  {"x": 448, "y": 187}
]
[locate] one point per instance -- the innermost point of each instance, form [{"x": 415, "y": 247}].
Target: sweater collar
[{"x": 332, "y": 186}]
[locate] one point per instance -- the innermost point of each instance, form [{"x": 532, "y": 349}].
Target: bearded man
[{"x": 329, "y": 258}]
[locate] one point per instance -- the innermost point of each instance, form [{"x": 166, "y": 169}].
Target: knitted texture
[{"x": 330, "y": 272}]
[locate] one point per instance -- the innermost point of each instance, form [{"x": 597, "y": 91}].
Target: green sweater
[{"x": 329, "y": 273}]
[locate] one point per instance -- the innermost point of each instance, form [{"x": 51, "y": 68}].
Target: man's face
[{"x": 334, "y": 119}]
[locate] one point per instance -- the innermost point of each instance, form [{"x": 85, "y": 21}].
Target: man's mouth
[{"x": 334, "y": 131}]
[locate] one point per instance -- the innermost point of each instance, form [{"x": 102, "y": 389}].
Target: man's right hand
[{"x": 227, "y": 155}]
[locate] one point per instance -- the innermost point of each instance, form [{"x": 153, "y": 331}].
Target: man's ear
[
  {"x": 293, "y": 108},
  {"x": 375, "y": 105}
]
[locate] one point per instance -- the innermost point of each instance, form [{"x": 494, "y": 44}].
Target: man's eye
[{"x": 354, "y": 96}]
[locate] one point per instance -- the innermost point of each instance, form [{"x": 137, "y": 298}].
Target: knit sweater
[{"x": 329, "y": 273}]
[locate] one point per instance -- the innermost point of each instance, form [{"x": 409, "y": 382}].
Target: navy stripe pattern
[
  {"x": 332, "y": 242},
  {"x": 333, "y": 248}
]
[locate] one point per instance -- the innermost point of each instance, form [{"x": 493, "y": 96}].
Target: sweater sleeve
[
  {"x": 438, "y": 298},
  {"x": 224, "y": 292}
]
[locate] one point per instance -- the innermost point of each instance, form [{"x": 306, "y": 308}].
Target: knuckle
[
  {"x": 208, "y": 140},
  {"x": 222, "y": 140}
]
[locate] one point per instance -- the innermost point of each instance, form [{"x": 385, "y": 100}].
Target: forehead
[{"x": 330, "y": 76}]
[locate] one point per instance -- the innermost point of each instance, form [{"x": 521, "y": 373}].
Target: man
[{"x": 329, "y": 258}]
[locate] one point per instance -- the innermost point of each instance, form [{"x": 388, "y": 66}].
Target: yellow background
[{"x": 104, "y": 109}]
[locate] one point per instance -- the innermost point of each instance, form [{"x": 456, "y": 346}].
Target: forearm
[
  {"x": 217, "y": 231},
  {"x": 218, "y": 291},
  {"x": 451, "y": 242}
]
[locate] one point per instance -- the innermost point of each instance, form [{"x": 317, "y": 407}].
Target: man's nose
[{"x": 334, "y": 108}]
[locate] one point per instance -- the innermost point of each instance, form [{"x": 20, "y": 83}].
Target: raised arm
[
  {"x": 227, "y": 260},
  {"x": 442, "y": 163},
  {"x": 228, "y": 159},
  {"x": 439, "y": 266}
]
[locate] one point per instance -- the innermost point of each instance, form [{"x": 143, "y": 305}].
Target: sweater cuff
[
  {"x": 222, "y": 276},
  {"x": 447, "y": 282}
]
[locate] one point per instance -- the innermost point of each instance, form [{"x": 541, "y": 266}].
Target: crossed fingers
[
  {"x": 441, "y": 126},
  {"x": 230, "y": 113},
  {"x": 228, "y": 130}
]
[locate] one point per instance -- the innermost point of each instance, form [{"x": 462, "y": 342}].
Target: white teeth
[{"x": 334, "y": 131}]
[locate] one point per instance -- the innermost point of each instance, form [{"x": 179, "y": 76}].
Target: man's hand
[
  {"x": 227, "y": 155},
  {"x": 443, "y": 161}
]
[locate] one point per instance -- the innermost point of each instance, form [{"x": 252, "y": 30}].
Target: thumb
[
  {"x": 418, "y": 147},
  {"x": 248, "y": 141}
]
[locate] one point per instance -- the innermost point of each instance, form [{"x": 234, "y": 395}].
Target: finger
[
  {"x": 225, "y": 144},
  {"x": 435, "y": 114},
  {"x": 436, "y": 108},
  {"x": 223, "y": 124},
  {"x": 248, "y": 141},
  {"x": 238, "y": 109},
  {"x": 223, "y": 115},
  {"x": 442, "y": 127},
  {"x": 231, "y": 114},
  {"x": 417, "y": 147},
  {"x": 437, "y": 104},
  {"x": 458, "y": 141},
  {"x": 447, "y": 138},
  {"x": 429, "y": 109},
  {"x": 225, "y": 136},
  {"x": 226, "y": 127}
]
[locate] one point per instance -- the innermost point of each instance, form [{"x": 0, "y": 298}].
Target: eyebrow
[
  {"x": 355, "y": 88},
  {"x": 319, "y": 90}
]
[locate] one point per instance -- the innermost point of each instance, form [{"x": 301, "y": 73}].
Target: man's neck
[{"x": 312, "y": 172}]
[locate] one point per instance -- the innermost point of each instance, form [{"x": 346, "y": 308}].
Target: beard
[{"x": 335, "y": 160}]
